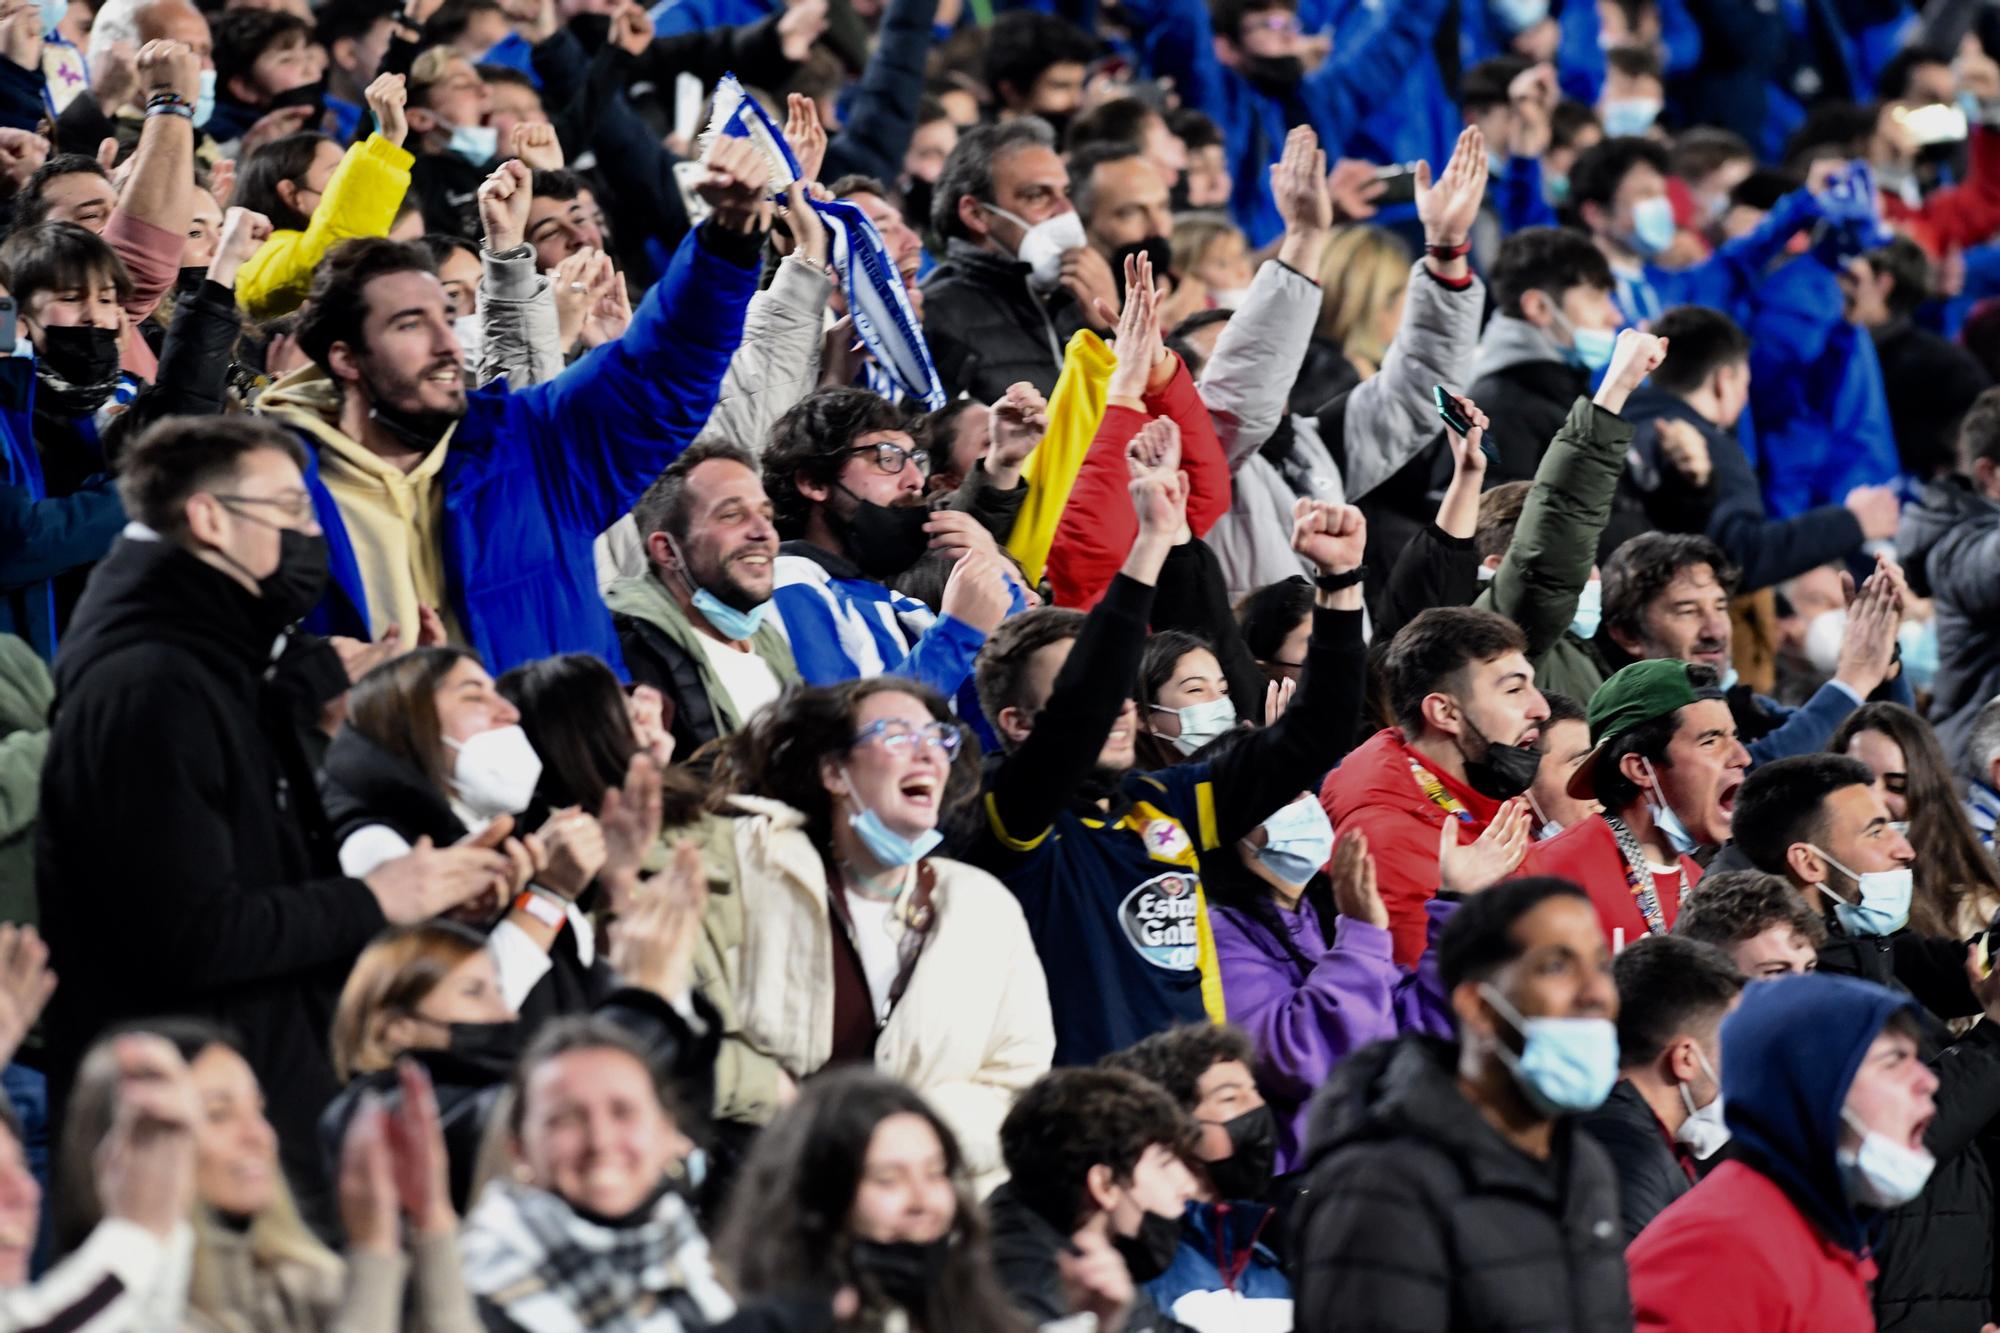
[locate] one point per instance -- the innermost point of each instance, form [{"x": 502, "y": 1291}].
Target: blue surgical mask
[
  {"x": 1625, "y": 116},
  {"x": 204, "y": 101},
  {"x": 477, "y": 144},
  {"x": 1882, "y": 1173},
  {"x": 1664, "y": 819},
  {"x": 1588, "y": 348},
  {"x": 1884, "y": 908},
  {"x": 1555, "y": 188},
  {"x": 1298, "y": 840},
  {"x": 884, "y": 843},
  {"x": 1729, "y": 679},
  {"x": 1565, "y": 1064},
  {"x": 728, "y": 621},
  {"x": 1589, "y": 610},
  {"x": 1496, "y": 164},
  {"x": 1202, "y": 722},
  {"x": 1652, "y": 226},
  {"x": 1518, "y": 15},
  {"x": 52, "y": 14}
]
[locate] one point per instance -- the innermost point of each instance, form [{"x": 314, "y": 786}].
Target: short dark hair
[
  {"x": 337, "y": 309},
  {"x": 453, "y": 17},
  {"x": 240, "y": 36},
  {"x": 968, "y": 170},
  {"x": 1762, "y": 189},
  {"x": 1022, "y": 44},
  {"x": 1226, "y": 16},
  {"x": 588, "y": 1032},
  {"x": 1669, "y": 985},
  {"x": 286, "y": 159},
  {"x": 1479, "y": 939},
  {"x": 1178, "y": 1058},
  {"x": 1550, "y": 260},
  {"x": 1893, "y": 82},
  {"x": 1601, "y": 168},
  {"x": 1634, "y": 62},
  {"x": 1737, "y": 905},
  {"x": 1083, "y": 164},
  {"x": 1784, "y": 801},
  {"x": 1195, "y": 128},
  {"x": 1905, "y": 261},
  {"x": 179, "y": 456},
  {"x": 1641, "y": 568},
  {"x": 443, "y": 245},
  {"x": 1700, "y": 341},
  {"x": 856, "y": 183},
  {"x": 1830, "y": 129},
  {"x": 1068, "y": 1121},
  {"x": 813, "y": 439},
  {"x": 1487, "y": 83},
  {"x": 31, "y": 205},
  {"x": 1649, "y": 740},
  {"x": 1563, "y": 708},
  {"x": 556, "y": 183},
  {"x": 664, "y": 506},
  {"x": 1120, "y": 120},
  {"x": 1499, "y": 514},
  {"x": 1429, "y": 653},
  {"x": 1703, "y": 148},
  {"x": 1569, "y": 120},
  {"x": 1979, "y": 433},
  {"x": 492, "y": 74},
  {"x": 336, "y": 19},
  {"x": 1268, "y": 615},
  {"x": 1002, "y": 663},
  {"x": 59, "y": 256}
]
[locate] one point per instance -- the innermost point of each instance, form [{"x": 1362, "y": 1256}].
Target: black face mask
[
  {"x": 1505, "y": 771},
  {"x": 885, "y": 540},
  {"x": 488, "y": 1045},
  {"x": 293, "y": 589},
  {"x": 77, "y": 367},
  {"x": 591, "y": 31},
  {"x": 1273, "y": 74},
  {"x": 189, "y": 280},
  {"x": 1059, "y": 122},
  {"x": 1253, "y": 1149},
  {"x": 312, "y": 95},
  {"x": 1148, "y": 1254},
  {"x": 903, "y": 1273},
  {"x": 419, "y": 430},
  {"x": 917, "y": 204}
]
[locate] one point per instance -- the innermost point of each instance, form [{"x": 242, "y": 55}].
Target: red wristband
[
  {"x": 541, "y": 909},
  {"x": 1447, "y": 252}
]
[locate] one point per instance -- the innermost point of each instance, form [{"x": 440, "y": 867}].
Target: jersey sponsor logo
[
  {"x": 1159, "y": 917},
  {"x": 1166, "y": 840}
]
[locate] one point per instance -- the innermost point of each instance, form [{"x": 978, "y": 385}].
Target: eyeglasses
[
  {"x": 890, "y": 458},
  {"x": 900, "y": 738},
  {"x": 1274, "y": 23},
  {"x": 294, "y": 505}
]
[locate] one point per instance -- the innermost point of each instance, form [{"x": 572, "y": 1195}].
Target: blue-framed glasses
[{"x": 899, "y": 737}]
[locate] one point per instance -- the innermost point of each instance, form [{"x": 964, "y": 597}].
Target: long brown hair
[
  {"x": 391, "y": 977},
  {"x": 1952, "y": 869},
  {"x": 395, "y": 705}
]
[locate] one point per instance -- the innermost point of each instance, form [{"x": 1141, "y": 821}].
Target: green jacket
[
  {"x": 663, "y": 648},
  {"x": 1555, "y": 545}
]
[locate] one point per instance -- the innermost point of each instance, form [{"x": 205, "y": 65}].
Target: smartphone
[
  {"x": 1399, "y": 184},
  {"x": 1933, "y": 124},
  {"x": 1452, "y": 411}
]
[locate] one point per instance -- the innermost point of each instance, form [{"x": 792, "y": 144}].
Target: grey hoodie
[{"x": 1950, "y": 545}]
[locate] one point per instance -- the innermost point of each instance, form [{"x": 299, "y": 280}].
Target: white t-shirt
[
  {"x": 746, "y": 677},
  {"x": 877, "y": 947}
]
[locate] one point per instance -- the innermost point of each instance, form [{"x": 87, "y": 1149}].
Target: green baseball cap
[{"x": 1640, "y": 693}]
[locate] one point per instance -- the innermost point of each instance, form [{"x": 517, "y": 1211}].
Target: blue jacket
[
  {"x": 1807, "y": 728},
  {"x": 1423, "y": 120},
  {"x": 1222, "y": 1249},
  {"x": 1361, "y": 75},
  {"x": 1579, "y": 57},
  {"x": 1820, "y": 413},
  {"x": 1728, "y": 279},
  {"x": 671, "y": 18},
  {"x": 39, "y": 537},
  {"x": 533, "y": 475},
  {"x": 844, "y": 625},
  {"x": 1789, "y": 1054}
]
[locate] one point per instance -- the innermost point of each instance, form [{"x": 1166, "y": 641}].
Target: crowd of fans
[{"x": 784, "y": 665}]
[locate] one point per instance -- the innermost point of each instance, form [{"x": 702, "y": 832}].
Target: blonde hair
[
  {"x": 427, "y": 70},
  {"x": 1195, "y": 236},
  {"x": 391, "y": 977},
  {"x": 1365, "y": 269}
]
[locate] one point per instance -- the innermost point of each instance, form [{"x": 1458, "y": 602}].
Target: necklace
[{"x": 1639, "y": 877}]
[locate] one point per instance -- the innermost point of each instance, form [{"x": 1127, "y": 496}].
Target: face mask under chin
[{"x": 417, "y": 428}]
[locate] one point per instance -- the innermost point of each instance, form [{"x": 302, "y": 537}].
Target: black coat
[
  {"x": 1419, "y": 1217},
  {"x": 446, "y": 188},
  {"x": 1650, "y": 1175},
  {"x": 988, "y": 330},
  {"x": 1527, "y": 403},
  {"x": 1025, "y": 1246},
  {"x": 1930, "y": 382},
  {"x": 1935, "y": 1254},
  {"x": 364, "y": 784},
  {"x": 182, "y": 862}
]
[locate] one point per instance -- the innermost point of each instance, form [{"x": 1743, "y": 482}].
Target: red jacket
[
  {"x": 1734, "y": 1255},
  {"x": 1960, "y": 216},
  {"x": 1588, "y": 854},
  {"x": 1098, "y": 527},
  {"x": 1375, "y": 791}
]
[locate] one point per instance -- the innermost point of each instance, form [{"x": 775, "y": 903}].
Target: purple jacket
[{"x": 1304, "y": 1022}]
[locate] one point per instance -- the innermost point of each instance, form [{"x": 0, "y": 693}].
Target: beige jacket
[
  {"x": 296, "y": 1297},
  {"x": 970, "y": 1032}
]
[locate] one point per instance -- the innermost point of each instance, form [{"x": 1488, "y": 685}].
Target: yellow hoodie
[
  {"x": 395, "y": 519},
  {"x": 1075, "y": 409},
  {"x": 361, "y": 199}
]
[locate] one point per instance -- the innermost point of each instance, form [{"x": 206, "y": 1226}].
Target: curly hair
[
  {"x": 1738, "y": 905},
  {"x": 1070, "y": 1120},
  {"x": 813, "y": 440},
  {"x": 1177, "y": 1058}
]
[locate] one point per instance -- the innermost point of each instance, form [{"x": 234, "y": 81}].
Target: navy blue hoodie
[{"x": 1789, "y": 1054}]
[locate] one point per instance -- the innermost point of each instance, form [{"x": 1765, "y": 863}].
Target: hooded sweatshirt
[
  {"x": 1523, "y": 381},
  {"x": 1768, "y": 1242},
  {"x": 1950, "y": 545}
]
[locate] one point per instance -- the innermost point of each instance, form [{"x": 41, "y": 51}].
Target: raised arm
[
  {"x": 159, "y": 189},
  {"x": 881, "y": 112}
]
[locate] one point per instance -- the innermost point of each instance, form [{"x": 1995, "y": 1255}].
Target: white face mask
[
  {"x": 1044, "y": 244},
  {"x": 468, "y": 329},
  {"x": 495, "y": 772},
  {"x": 1882, "y": 1173},
  {"x": 1704, "y": 1130},
  {"x": 1229, "y": 298}
]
